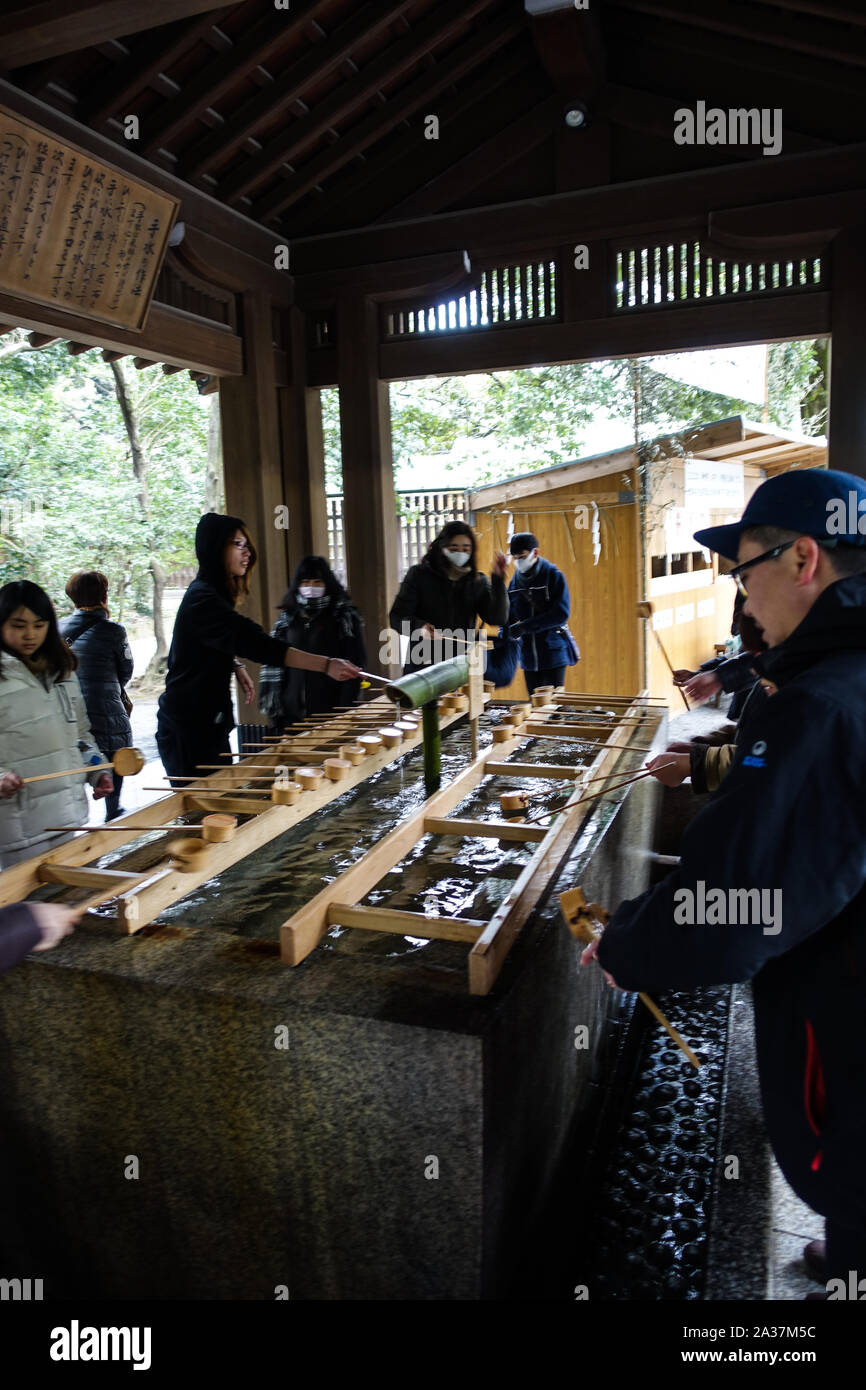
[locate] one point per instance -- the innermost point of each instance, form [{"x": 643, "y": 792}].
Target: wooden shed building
[{"x": 620, "y": 526}]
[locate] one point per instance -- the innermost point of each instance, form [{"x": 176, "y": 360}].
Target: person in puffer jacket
[
  {"x": 105, "y": 666},
  {"x": 43, "y": 728}
]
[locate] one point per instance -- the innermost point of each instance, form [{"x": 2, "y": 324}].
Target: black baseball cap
[{"x": 820, "y": 502}]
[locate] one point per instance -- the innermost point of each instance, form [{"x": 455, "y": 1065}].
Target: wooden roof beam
[
  {"x": 171, "y": 335},
  {"x": 818, "y": 39},
  {"x": 403, "y": 104},
  {"x": 322, "y": 59},
  {"x": 823, "y": 9},
  {"x": 142, "y": 66},
  {"x": 387, "y": 67},
  {"x": 730, "y": 60},
  {"x": 31, "y": 32},
  {"x": 41, "y": 340},
  {"x": 639, "y": 207},
  {"x": 381, "y": 168},
  {"x": 506, "y": 145},
  {"x": 220, "y": 75}
]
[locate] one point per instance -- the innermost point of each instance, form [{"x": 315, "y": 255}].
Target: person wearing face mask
[
  {"x": 540, "y": 606},
  {"x": 445, "y": 595},
  {"x": 195, "y": 714},
  {"x": 316, "y": 615}
]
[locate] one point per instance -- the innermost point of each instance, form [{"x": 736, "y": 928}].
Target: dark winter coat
[
  {"x": 789, "y": 815},
  {"x": 450, "y": 605},
  {"x": 105, "y": 666},
  {"x": 18, "y": 934},
  {"x": 540, "y": 606},
  {"x": 287, "y": 694},
  {"x": 208, "y": 634}
]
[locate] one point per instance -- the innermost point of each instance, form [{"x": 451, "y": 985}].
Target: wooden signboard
[{"x": 76, "y": 233}]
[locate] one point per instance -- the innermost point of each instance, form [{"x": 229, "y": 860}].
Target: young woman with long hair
[
  {"x": 446, "y": 593},
  {"x": 210, "y": 636},
  {"x": 43, "y": 727}
]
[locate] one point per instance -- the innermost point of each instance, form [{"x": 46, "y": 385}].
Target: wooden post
[
  {"x": 303, "y": 451},
  {"x": 252, "y": 458},
  {"x": 847, "y": 444},
  {"x": 369, "y": 509}
]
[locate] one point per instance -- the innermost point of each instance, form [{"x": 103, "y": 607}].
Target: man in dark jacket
[
  {"x": 787, "y": 827},
  {"x": 540, "y": 605}
]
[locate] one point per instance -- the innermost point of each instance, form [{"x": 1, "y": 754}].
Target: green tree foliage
[
  {"x": 546, "y": 410},
  {"x": 63, "y": 447}
]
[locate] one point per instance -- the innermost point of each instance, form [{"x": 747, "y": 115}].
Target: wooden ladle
[{"x": 126, "y": 762}]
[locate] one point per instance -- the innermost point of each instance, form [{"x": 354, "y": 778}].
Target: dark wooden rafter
[
  {"x": 818, "y": 38},
  {"x": 140, "y": 69},
  {"x": 212, "y": 82},
  {"x": 386, "y": 68},
  {"x": 650, "y": 331},
  {"x": 486, "y": 159},
  {"x": 31, "y": 32},
  {"x": 637, "y": 207},
  {"x": 570, "y": 44},
  {"x": 404, "y": 103},
  {"x": 322, "y": 59},
  {"x": 170, "y": 335},
  {"x": 399, "y": 280},
  {"x": 376, "y": 179},
  {"x": 823, "y": 9},
  {"x": 787, "y": 226},
  {"x": 722, "y": 53}
]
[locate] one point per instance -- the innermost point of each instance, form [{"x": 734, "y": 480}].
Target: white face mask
[
  {"x": 527, "y": 562},
  {"x": 457, "y": 557},
  {"x": 311, "y": 590}
]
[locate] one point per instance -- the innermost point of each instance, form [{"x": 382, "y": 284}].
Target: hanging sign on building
[
  {"x": 75, "y": 233},
  {"x": 709, "y": 484}
]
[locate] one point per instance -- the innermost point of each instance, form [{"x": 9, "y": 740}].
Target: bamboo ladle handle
[{"x": 126, "y": 763}]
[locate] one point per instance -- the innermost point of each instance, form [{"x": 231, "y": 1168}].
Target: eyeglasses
[
  {"x": 241, "y": 545},
  {"x": 739, "y": 570}
]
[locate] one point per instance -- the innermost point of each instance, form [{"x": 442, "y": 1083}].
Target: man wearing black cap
[
  {"x": 780, "y": 851},
  {"x": 538, "y": 615}
]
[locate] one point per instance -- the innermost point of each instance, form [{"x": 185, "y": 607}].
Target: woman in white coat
[{"x": 43, "y": 728}]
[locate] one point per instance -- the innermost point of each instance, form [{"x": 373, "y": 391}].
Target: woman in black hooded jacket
[{"x": 195, "y": 710}]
